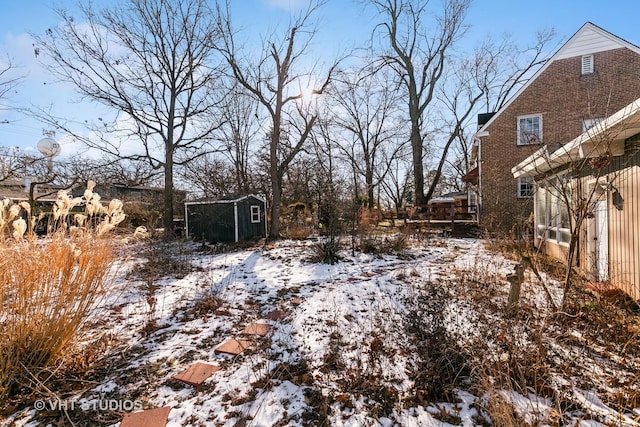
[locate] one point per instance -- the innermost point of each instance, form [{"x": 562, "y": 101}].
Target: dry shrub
[
  {"x": 298, "y": 231},
  {"x": 141, "y": 214},
  {"x": 394, "y": 244},
  {"x": 47, "y": 293},
  {"x": 49, "y": 286},
  {"x": 204, "y": 307},
  {"x": 501, "y": 411},
  {"x": 164, "y": 259},
  {"x": 508, "y": 246},
  {"x": 441, "y": 364},
  {"x": 359, "y": 376},
  {"x": 369, "y": 217},
  {"x": 326, "y": 251}
]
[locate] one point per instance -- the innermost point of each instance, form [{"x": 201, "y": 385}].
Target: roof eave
[{"x": 614, "y": 129}]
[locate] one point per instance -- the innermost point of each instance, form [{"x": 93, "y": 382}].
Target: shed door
[{"x": 601, "y": 240}]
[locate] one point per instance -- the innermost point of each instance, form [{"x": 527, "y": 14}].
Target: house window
[
  {"x": 472, "y": 201},
  {"x": 525, "y": 187},
  {"x": 255, "y": 214},
  {"x": 589, "y": 123},
  {"x": 530, "y": 129},
  {"x": 553, "y": 222},
  {"x": 587, "y": 65},
  {"x": 541, "y": 212}
]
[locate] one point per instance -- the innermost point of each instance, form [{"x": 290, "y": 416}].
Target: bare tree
[
  {"x": 397, "y": 183},
  {"x": 211, "y": 176},
  {"x": 366, "y": 110},
  {"x": 112, "y": 170},
  {"x": 9, "y": 157},
  {"x": 238, "y": 135},
  {"x": 468, "y": 84},
  {"x": 274, "y": 81},
  {"x": 514, "y": 66},
  {"x": 329, "y": 182},
  {"x": 490, "y": 75},
  {"x": 418, "y": 54},
  {"x": 458, "y": 161},
  {"x": 12, "y": 162},
  {"x": 150, "y": 61},
  {"x": 8, "y": 79}
]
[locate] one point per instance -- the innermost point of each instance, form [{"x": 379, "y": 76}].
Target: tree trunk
[
  {"x": 276, "y": 181},
  {"x": 418, "y": 169},
  {"x": 568, "y": 276},
  {"x": 370, "y": 192},
  {"x": 443, "y": 158},
  {"x": 167, "y": 212},
  {"x": 276, "y": 187}
]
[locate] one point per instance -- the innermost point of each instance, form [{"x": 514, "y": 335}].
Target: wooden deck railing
[{"x": 440, "y": 213}]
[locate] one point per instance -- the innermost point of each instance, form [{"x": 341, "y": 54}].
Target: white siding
[{"x": 588, "y": 40}]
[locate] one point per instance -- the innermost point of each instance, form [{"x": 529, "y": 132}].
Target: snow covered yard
[{"x": 415, "y": 338}]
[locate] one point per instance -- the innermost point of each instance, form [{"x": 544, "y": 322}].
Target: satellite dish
[{"x": 48, "y": 147}]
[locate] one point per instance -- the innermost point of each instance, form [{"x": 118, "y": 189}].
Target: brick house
[
  {"x": 596, "y": 177},
  {"x": 593, "y": 75}
]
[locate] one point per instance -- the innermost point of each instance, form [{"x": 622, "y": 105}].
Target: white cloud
[{"x": 289, "y": 5}]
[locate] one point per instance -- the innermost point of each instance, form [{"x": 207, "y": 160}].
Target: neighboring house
[
  {"x": 14, "y": 189},
  {"x": 599, "y": 175},
  {"x": 150, "y": 197},
  {"x": 594, "y": 74},
  {"x": 451, "y": 206},
  {"x": 143, "y": 205},
  {"x": 17, "y": 190},
  {"x": 227, "y": 220}
]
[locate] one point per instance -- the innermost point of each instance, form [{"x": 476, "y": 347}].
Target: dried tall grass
[{"x": 48, "y": 286}]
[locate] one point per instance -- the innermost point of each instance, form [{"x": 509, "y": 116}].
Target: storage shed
[{"x": 226, "y": 220}]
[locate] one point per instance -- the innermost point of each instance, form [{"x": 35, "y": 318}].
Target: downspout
[
  {"x": 478, "y": 139},
  {"x": 266, "y": 223},
  {"x": 186, "y": 222},
  {"x": 265, "y": 218},
  {"x": 479, "y": 192},
  {"x": 235, "y": 220}
]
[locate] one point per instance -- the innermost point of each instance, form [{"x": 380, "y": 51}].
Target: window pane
[
  {"x": 564, "y": 215},
  {"x": 255, "y": 214},
  {"x": 551, "y": 234},
  {"x": 525, "y": 187},
  {"x": 541, "y": 221},
  {"x": 529, "y": 128},
  {"x": 553, "y": 209},
  {"x": 564, "y": 208}
]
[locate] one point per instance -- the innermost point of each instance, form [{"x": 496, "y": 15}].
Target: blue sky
[{"x": 343, "y": 25}]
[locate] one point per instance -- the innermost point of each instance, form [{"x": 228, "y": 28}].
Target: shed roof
[{"x": 207, "y": 201}]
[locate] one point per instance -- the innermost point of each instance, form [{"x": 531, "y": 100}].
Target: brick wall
[{"x": 564, "y": 98}]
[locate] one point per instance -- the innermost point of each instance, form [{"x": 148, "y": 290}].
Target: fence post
[{"x": 515, "y": 280}]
